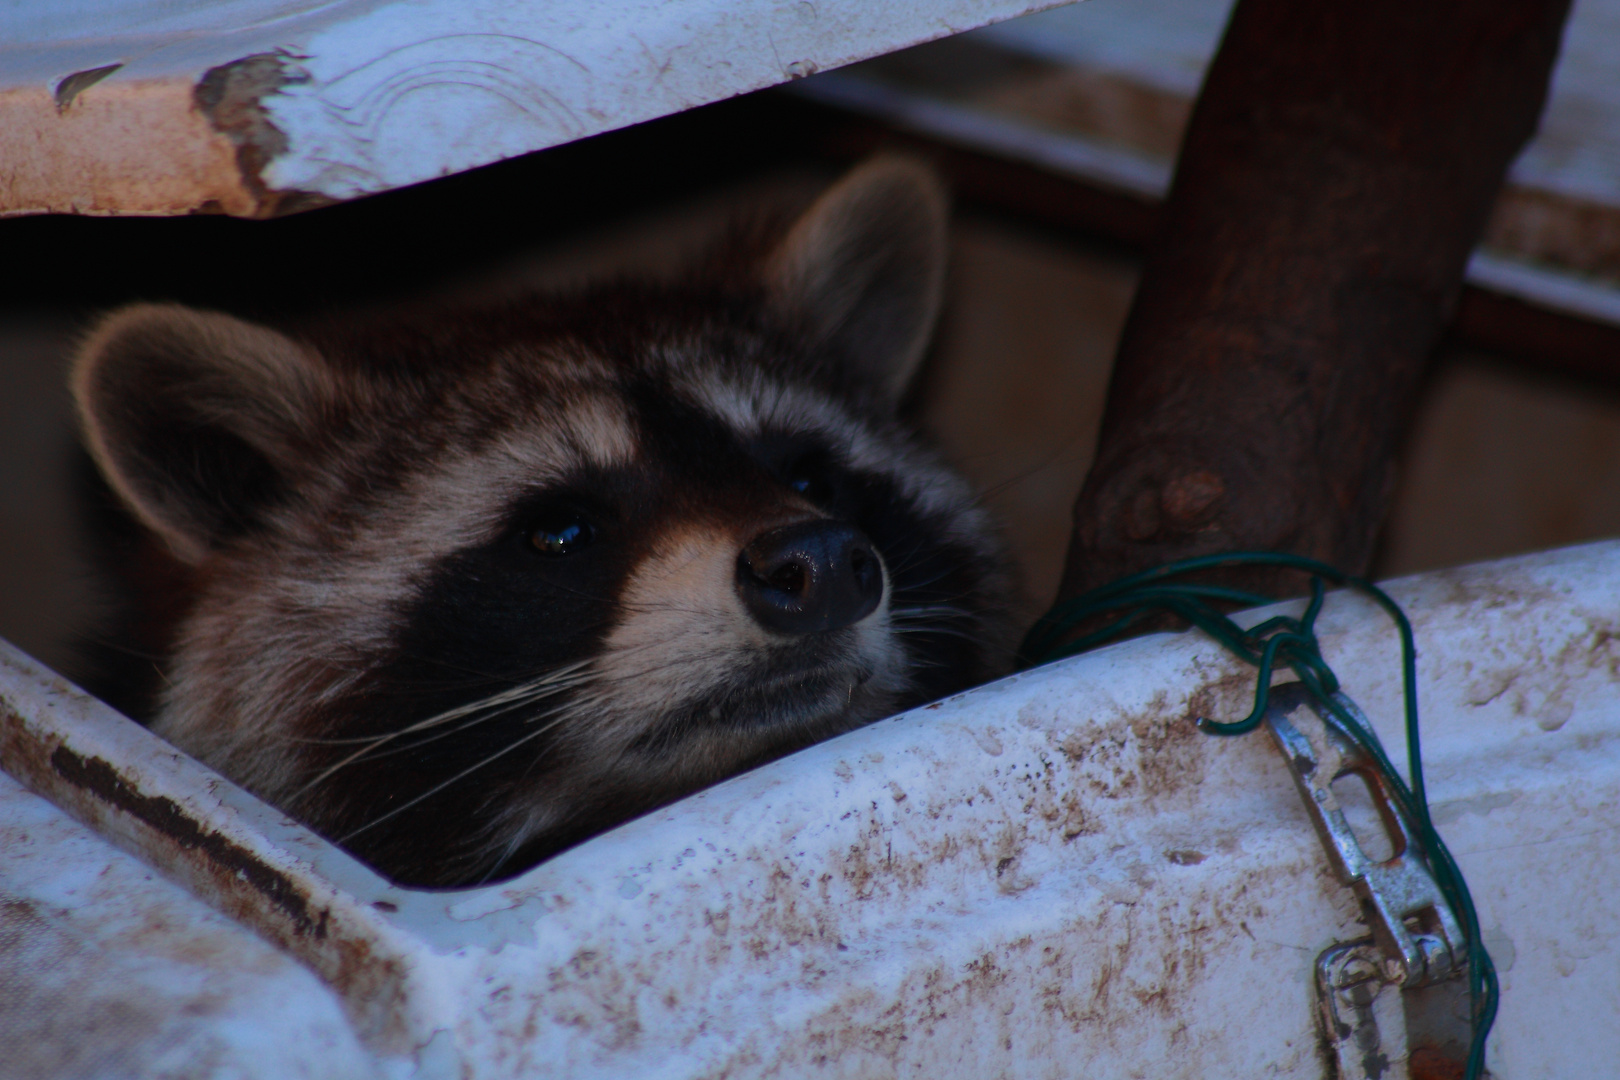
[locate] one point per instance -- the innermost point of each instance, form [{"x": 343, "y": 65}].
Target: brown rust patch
[
  {"x": 1156, "y": 750},
  {"x": 1170, "y": 750},
  {"x": 98, "y": 778},
  {"x": 125, "y": 146},
  {"x": 232, "y": 97}
]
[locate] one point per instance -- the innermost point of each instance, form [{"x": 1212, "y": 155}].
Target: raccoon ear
[
  {"x": 191, "y": 416},
  {"x": 865, "y": 266}
]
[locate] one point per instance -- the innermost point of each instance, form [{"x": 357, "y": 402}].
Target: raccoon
[{"x": 460, "y": 588}]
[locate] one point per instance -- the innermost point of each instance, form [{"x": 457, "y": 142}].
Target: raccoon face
[{"x": 464, "y": 587}]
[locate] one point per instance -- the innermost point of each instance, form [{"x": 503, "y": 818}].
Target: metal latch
[{"x": 1395, "y": 1004}]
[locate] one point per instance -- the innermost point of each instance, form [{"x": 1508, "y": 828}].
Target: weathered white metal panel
[
  {"x": 1169, "y": 43},
  {"x": 1109, "y": 100},
  {"x": 260, "y": 106},
  {"x": 109, "y": 971},
  {"x": 1054, "y": 875}
]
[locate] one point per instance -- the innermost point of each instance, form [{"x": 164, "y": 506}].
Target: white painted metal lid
[{"x": 255, "y": 107}]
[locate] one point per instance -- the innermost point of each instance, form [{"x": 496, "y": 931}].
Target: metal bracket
[
  {"x": 1417, "y": 949},
  {"x": 1360, "y": 1011}
]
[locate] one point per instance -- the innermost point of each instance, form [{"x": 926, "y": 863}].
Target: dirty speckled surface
[
  {"x": 1050, "y": 876},
  {"x": 108, "y": 970}
]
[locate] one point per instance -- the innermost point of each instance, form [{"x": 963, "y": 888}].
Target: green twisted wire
[{"x": 1285, "y": 640}]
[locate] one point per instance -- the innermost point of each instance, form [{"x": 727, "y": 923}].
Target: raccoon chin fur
[{"x": 460, "y": 588}]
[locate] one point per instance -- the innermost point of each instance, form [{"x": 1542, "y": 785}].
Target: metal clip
[
  {"x": 1412, "y": 921},
  {"x": 1360, "y": 1011},
  {"x": 1417, "y": 948}
]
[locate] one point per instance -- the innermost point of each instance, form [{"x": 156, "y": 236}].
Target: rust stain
[
  {"x": 126, "y": 146},
  {"x": 99, "y": 143},
  {"x": 371, "y": 983},
  {"x": 1512, "y": 663},
  {"x": 100, "y": 779},
  {"x": 232, "y": 97},
  {"x": 1427, "y": 1063},
  {"x": 1154, "y": 751},
  {"x": 1556, "y": 227}
]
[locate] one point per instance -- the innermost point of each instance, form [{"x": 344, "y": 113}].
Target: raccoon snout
[{"x": 815, "y": 575}]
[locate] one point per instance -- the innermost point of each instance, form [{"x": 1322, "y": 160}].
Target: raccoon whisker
[
  {"x": 472, "y": 719},
  {"x": 369, "y": 758},
  {"x": 677, "y": 664},
  {"x": 924, "y": 611},
  {"x": 933, "y": 665},
  {"x": 436, "y": 788},
  {"x": 899, "y": 573},
  {"x": 117, "y": 647},
  {"x": 898, "y": 566},
  {"x": 913, "y": 597},
  {"x": 940, "y": 605},
  {"x": 965, "y": 632},
  {"x": 510, "y": 848},
  {"x": 499, "y": 704},
  {"x": 372, "y": 751},
  {"x": 565, "y": 678},
  {"x": 471, "y": 677},
  {"x": 927, "y": 617},
  {"x": 922, "y": 614},
  {"x": 1054, "y": 457},
  {"x": 901, "y": 560},
  {"x": 646, "y": 608},
  {"x": 941, "y": 630},
  {"x": 925, "y": 627}
]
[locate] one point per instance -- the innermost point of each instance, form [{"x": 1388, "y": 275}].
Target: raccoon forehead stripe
[
  {"x": 596, "y": 429},
  {"x": 748, "y": 406},
  {"x": 751, "y": 406},
  {"x": 465, "y": 499}
]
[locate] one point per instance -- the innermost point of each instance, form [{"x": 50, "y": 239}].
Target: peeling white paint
[
  {"x": 1075, "y": 883},
  {"x": 384, "y": 93},
  {"x": 411, "y": 91}
]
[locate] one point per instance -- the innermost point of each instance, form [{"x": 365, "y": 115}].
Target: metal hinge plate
[{"x": 1395, "y": 1004}]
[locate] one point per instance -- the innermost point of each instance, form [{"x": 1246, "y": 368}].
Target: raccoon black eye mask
[{"x": 461, "y": 588}]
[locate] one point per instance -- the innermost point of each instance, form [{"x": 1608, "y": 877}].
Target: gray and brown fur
[{"x": 358, "y": 618}]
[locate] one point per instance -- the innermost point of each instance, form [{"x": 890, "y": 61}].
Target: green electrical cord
[{"x": 1283, "y": 639}]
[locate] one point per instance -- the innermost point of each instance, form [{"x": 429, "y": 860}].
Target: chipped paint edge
[
  {"x": 212, "y": 838},
  {"x": 297, "y": 124},
  {"x": 137, "y": 146}
]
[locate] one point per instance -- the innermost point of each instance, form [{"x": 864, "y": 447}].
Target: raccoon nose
[{"x": 816, "y": 575}]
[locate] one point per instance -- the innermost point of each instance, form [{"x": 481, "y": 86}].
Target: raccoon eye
[
  {"x": 560, "y": 531},
  {"x": 809, "y": 479}
]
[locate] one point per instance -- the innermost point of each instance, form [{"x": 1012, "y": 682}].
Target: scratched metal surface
[
  {"x": 1054, "y": 875},
  {"x": 259, "y": 107},
  {"x": 109, "y": 971}
]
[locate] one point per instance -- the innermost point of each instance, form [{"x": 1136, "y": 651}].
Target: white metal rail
[{"x": 1053, "y": 875}]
